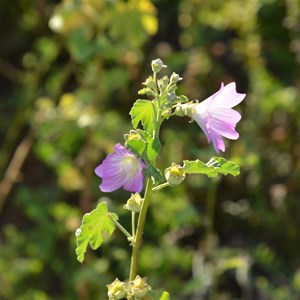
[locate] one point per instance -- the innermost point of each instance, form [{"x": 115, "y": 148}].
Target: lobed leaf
[
  {"x": 94, "y": 225},
  {"x": 143, "y": 112},
  {"x": 215, "y": 166}
]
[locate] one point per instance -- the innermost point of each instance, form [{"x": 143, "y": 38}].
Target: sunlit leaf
[
  {"x": 136, "y": 146},
  {"x": 94, "y": 225},
  {"x": 143, "y": 111},
  {"x": 215, "y": 166},
  {"x": 155, "y": 173},
  {"x": 153, "y": 148}
]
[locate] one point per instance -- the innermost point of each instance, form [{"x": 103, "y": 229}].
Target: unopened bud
[
  {"x": 174, "y": 78},
  {"x": 157, "y": 65},
  {"x": 174, "y": 174},
  {"x": 134, "y": 203},
  {"x": 150, "y": 83},
  {"x": 186, "y": 109},
  {"x": 116, "y": 290},
  {"x": 133, "y": 135},
  {"x": 171, "y": 96},
  {"x": 163, "y": 83},
  {"x": 139, "y": 287}
]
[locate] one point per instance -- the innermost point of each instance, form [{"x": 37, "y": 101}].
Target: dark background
[{"x": 69, "y": 74}]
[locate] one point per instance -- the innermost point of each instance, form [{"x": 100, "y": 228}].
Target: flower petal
[
  {"x": 217, "y": 142},
  {"x": 216, "y": 117},
  {"x": 228, "y": 96},
  {"x": 121, "y": 168},
  {"x": 134, "y": 183}
]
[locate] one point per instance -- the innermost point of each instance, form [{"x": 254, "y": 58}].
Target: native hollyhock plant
[
  {"x": 135, "y": 162},
  {"x": 121, "y": 169},
  {"x": 216, "y": 117}
]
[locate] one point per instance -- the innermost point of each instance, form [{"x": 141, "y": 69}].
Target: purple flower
[
  {"x": 121, "y": 169},
  {"x": 216, "y": 117}
]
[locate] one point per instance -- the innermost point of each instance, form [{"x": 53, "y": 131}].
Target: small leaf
[
  {"x": 143, "y": 111},
  {"x": 153, "y": 172},
  {"x": 215, "y": 166},
  {"x": 92, "y": 229},
  {"x": 159, "y": 295},
  {"x": 147, "y": 91}
]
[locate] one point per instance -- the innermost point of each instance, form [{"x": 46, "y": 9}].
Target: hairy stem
[
  {"x": 139, "y": 231},
  {"x": 133, "y": 224}
]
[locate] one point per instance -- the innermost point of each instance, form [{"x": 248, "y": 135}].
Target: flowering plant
[{"x": 135, "y": 162}]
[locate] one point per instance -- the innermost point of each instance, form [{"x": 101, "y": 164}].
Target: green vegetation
[{"x": 69, "y": 74}]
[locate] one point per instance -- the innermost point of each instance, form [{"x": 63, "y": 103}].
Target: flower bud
[
  {"x": 139, "y": 287},
  {"x": 133, "y": 135},
  {"x": 157, "y": 65},
  {"x": 171, "y": 96},
  {"x": 150, "y": 83},
  {"x": 175, "y": 78},
  {"x": 116, "y": 290},
  {"x": 134, "y": 203},
  {"x": 163, "y": 83},
  {"x": 186, "y": 109},
  {"x": 174, "y": 174}
]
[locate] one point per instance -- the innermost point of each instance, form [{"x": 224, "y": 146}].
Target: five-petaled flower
[
  {"x": 216, "y": 117},
  {"x": 121, "y": 169}
]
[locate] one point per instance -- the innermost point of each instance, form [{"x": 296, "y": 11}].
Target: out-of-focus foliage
[{"x": 70, "y": 71}]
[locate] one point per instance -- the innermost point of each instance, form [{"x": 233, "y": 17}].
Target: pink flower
[
  {"x": 121, "y": 169},
  {"x": 216, "y": 117}
]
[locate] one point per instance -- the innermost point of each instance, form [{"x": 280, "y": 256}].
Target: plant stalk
[{"x": 139, "y": 231}]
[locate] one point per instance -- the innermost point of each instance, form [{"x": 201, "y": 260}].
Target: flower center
[{"x": 130, "y": 164}]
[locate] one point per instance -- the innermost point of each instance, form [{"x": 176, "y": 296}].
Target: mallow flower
[
  {"x": 121, "y": 169},
  {"x": 216, "y": 117}
]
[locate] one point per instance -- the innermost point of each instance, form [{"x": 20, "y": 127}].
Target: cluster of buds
[
  {"x": 164, "y": 86},
  {"x": 136, "y": 289}
]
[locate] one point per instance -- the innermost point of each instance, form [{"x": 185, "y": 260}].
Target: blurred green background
[{"x": 69, "y": 74}]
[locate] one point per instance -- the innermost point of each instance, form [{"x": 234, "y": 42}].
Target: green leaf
[
  {"x": 155, "y": 173},
  {"x": 153, "y": 148},
  {"x": 94, "y": 225},
  {"x": 136, "y": 146},
  {"x": 159, "y": 295},
  {"x": 215, "y": 166},
  {"x": 143, "y": 111},
  {"x": 147, "y": 91}
]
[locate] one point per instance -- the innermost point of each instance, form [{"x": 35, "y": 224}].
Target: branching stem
[{"x": 120, "y": 227}]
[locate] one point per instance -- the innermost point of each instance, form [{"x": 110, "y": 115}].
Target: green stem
[
  {"x": 136, "y": 245},
  {"x": 120, "y": 227},
  {"x": 140, "y": 229},
  {"x": 133, "y": 224},
  {"x": 161, "y": 186}
]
